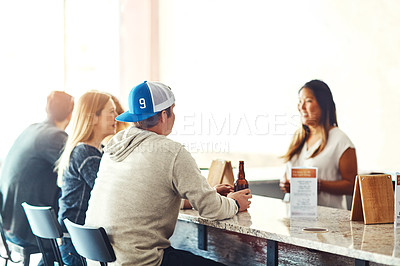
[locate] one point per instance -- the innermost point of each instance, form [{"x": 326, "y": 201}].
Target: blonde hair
[{"x": 89, "y": 105}]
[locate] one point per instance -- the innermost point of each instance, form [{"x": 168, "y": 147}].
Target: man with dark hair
[
  {"x": 142, "y": 179},
  {"x": 28, "y": 171}
]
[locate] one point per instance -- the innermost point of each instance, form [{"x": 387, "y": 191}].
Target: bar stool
[
  {"x": 10, "y": 247},
  {"x": 91, "y": 242},
  {"x": 44, "y": 225},
  {"x": 24, "y": 252}
]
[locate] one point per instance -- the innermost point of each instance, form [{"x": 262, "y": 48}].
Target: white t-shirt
[{"x": 327, "y": 163}]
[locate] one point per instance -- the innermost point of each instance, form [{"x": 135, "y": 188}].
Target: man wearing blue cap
[{"x": 142, "y": 178}]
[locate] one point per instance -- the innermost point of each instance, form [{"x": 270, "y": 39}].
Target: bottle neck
[{"x": 241, "y": 174}]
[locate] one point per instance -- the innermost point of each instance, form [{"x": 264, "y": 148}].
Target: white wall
[
  {"x": 92, "y": 46},
  {"x": 235, "y": 66},
  {"x": 249, "y": 58},
  {"x": 31, "y": 63},
  {"x": 36, "y": 56}
]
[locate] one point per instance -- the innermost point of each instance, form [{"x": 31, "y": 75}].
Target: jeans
[
  {"x": 69, "y": 254},
  {"x": 177, "y": 257},
  {"x": 16, "y": 240}
]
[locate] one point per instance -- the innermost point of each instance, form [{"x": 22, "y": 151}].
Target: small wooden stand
[
  {"x": 373, "y": 199},
  {"x": 220, "y": 172}
]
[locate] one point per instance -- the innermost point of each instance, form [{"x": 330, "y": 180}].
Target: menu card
[
  {"x": 373, "y": 199},
  {"x": 396, "y": 178},
  {"x": 303, "y": 191}
]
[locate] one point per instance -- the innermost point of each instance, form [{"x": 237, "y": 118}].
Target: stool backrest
[
  {"x": 43, "y": 221},
  {"x": 91, "y": 242},
  {"x": 44, "y": 224}
]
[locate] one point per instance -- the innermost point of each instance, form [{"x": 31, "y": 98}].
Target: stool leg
[
  {"x": 83, "y": 261},
  {"x": 56, "y": 251},
  {"x": 26, "y": 258},
  {"x": 40, "y": 244}
]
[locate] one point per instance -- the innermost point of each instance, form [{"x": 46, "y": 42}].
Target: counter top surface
[{"x": 269, "y": 218}]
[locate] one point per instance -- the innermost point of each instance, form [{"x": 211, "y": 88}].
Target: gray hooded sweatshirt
[{"x": 137, "y": 194}]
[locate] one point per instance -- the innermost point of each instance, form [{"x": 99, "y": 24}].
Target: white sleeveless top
[{"x": 327, "y": 163}]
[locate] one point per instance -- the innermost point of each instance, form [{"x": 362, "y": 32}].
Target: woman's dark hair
[{"x": 323, "y": 95}]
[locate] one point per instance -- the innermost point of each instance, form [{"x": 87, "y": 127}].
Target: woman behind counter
[
  {"x": 320, "y": 143},
  {"x": 92, "y": 120}
]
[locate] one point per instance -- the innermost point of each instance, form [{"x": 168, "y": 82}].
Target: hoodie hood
[{"x": 125, "y": 141}]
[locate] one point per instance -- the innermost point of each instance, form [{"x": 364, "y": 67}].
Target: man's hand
[
  {"x": 223, "y": 189},
  {"x": 242, "y": 197}
]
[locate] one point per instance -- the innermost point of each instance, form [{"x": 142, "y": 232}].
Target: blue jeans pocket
[{"x": 69, "y": 254}]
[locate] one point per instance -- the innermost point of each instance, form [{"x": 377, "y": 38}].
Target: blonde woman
[{"x": 92, "y": 120}]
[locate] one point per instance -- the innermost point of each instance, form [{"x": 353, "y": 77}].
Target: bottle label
[{"x": 240, "y": 187}]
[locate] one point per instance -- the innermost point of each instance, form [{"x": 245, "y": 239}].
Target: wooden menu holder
[
  {"x": 220, "y": 172},
  {"x": 373, "y": 199}
]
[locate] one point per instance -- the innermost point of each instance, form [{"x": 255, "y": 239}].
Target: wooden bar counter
[{"x": 265, "y": 235}]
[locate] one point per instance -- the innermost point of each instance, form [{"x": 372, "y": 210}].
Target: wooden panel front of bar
[{"x": 233, "y": 248}]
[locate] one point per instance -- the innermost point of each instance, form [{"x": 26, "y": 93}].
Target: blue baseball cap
[{"x": 145, "y": 100}]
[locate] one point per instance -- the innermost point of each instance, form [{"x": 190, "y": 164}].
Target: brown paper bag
[{"x": 220, "y": 172}]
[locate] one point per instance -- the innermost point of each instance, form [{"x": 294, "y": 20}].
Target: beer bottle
[{"x": 241, "y": 182}]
